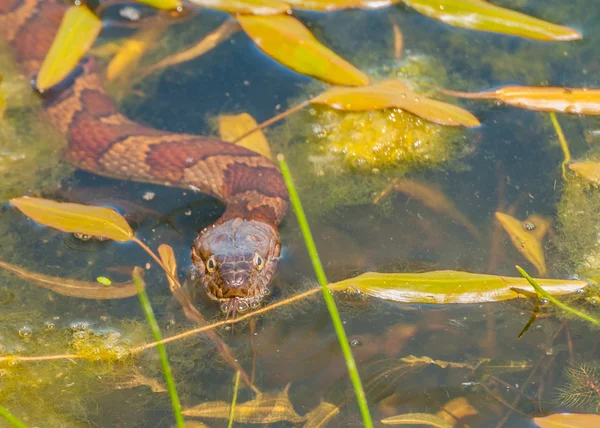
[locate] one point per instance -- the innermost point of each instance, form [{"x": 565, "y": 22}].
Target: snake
[{"x": 236, "y": 257}]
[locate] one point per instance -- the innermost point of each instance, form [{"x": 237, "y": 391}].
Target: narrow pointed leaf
[
  {"x": 131, "y": 52},
  {"x": 568, "y": 420},
  {"x": 485, "y": 16},
  {"x": 417, "y": 419},
  {"x": 73, "y": 287},
  {"x": 286, "y": 40},
  {"x": 448, "y": 286},
  {"x": 162, "y": 4},
  {"x": 246, "y": 7},
  {"x": 76, "y": 218},
  {"x": 588, "y": 170},
  {"x": 321, "y": 415},
  {"x": 527, "y": 242},
  {"x": 77, "y": 32},
  {"x": 233, "y": 126},
  {"x": 395, "y": 94},
  {"x": 561, "y": 100},
  {"x": 331, "y": 5},
  {"x": 167, "y": 256}
]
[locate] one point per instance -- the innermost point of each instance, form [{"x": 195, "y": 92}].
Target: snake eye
[
  {"x": 258, "y": 261},
  {"x": 211, "y": 265}
]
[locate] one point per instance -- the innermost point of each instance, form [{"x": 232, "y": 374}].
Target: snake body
[{"x": 237, "y": 256}]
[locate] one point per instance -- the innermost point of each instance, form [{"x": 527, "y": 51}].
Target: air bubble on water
[
  {"x": 354, "y": 343},
  {"x": 50, "y": 325},
  {"x": 25, "y": 332}
]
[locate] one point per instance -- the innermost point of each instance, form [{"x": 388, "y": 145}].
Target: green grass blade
[
  {"x": 12, "y": 419},
  {"x": 556, "y": 302},
  {"x": 236, "y": 387},
  {"x": 162, "y": 352},
  {"x": 333, "y": 312}
]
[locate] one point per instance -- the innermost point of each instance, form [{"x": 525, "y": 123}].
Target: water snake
[{"x": 237, "y": 256}]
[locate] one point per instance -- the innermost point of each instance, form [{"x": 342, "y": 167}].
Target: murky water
[{"x": 511, "y": 162}]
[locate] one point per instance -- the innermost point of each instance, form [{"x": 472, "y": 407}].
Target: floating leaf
[
  {"x": 394, "y": 93},
  {"x": 72, "y": 287},
  {"x": 483, "y": 16},
  {"x": 457, "y": 409},
  {"x": 568, "y": 420},
  {"x": 233, "y": 126},
  {"x": 286, "y": 40},
  {"x": 77, "y": 32},
  {"x": 223, "y": 32},
  {"x": 321, "y": 415},
  {"x": 167, "y": 256},
  {"x": 331, "y": 5},
  {"x": 76, "y": 218},
  {"x": 266, "y": 408},
  {"x": 162, "y": 4},
  {"x": 562, "y": 100},
  {"x": 247, "y": 7},
  {"x": 448, "y": 286},
  {"x": 588, "y": 170},
  {"x": 527, "y": 237},
  {"x": 417, "y": 419}
]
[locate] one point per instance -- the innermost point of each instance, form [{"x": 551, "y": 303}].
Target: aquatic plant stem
[
  {"x": 236, "y": 386},
  {"x": 12, "y": 419},
  {"x": 564, "y": 145},
  {"x": 162, "y": 352},
  {"x": 331, "y": 306},
  {"x": 556, "y": 302}
]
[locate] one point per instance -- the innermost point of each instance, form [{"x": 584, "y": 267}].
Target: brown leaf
[
  {"x": 231, "y": 127},
  {"x": 266, "y": 408},
  {"x": 527, "y": 237},
  {"x": 456, "y": 409},
  {"x": 568, "y": 420},
  {"x": 321, "y": 415},
  {"x": 561, "y": 100},
  {"x": 76, "y": 218},
  {"x": 394, "y": 93},
  {"x": 417, "y": 419},
  {"x": 588, "y": 170},
  {"x": 286, "y": 40},
  {"x": 72, "y": 287},
  {"x": 167, "y": 256}
]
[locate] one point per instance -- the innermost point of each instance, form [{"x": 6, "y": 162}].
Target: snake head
[{"x": 236, "y": 260}]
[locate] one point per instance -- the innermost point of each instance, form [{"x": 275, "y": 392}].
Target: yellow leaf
[
  {"x": 448, "y": 287},
  {"x": 321, "y": 415},
  {"x": 417, "y": 419},
  {"x": 77, "y": 32},
  {"x": 266, "y": 408},
  {"x": 72, "y": 287},
  {"x": 167, "y": 256},
  {"x": 286, "y": 40},
  {"x": 233, "y": 126},
  {"x": 527, "y": 237},
  {"x": 162, "y": 4},
  {"x": 394, "y": 93},
  {"x": 222, "y": 33},
  {"x": 331, "y": 5},
  {"x": 562, "y": 100},
  {"x": 588, "y": 170},
  {"x": 568, "y": 420},
  {"x": 76, "y": 218},
  {"x": 247, "y": 7},
  {"x": 131, "y": 52},
  {"x": 485, "y": 16}
]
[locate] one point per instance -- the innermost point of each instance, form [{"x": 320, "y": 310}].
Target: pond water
[{"x": 479, "y": 364}]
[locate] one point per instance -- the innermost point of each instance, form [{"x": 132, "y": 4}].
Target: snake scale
[{"x": 237, "y": 256}]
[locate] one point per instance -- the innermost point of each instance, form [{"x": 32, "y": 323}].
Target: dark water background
[{"x": 297, "y": 344}]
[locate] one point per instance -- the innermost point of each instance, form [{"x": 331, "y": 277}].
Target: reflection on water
[{"x": 510, "y": 164}]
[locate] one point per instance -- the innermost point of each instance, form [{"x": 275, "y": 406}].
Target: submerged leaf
[
  {"x": 266, "y": 408},
  {"x": 456, "y": 409},
  {"x": 331, "y": 5},
  {"x": 568, "y": 420},
  {"x": 527, "y": 237},
  {"x": 286, "y": 40},
  {"x": 395, "y": 94},
  {"x": 321, "y": 415},
  {"x": 448, "y": 286},
  {"x": 561, "y": 100},
  {"x": 76, "y": 218},
  {"x": 417, "y": 419},
  {"x": 77, "y": 32},
  {"x": 131, "y": 52},
  {"x": 588, "y": 170},
  {"x": 72, "y": 287},
  {"x": 231, "y": 127},
  {"x": 484, "y": 16},
  {"x": 167, "y": 256},
  {"x": 247, "y": 7}
]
